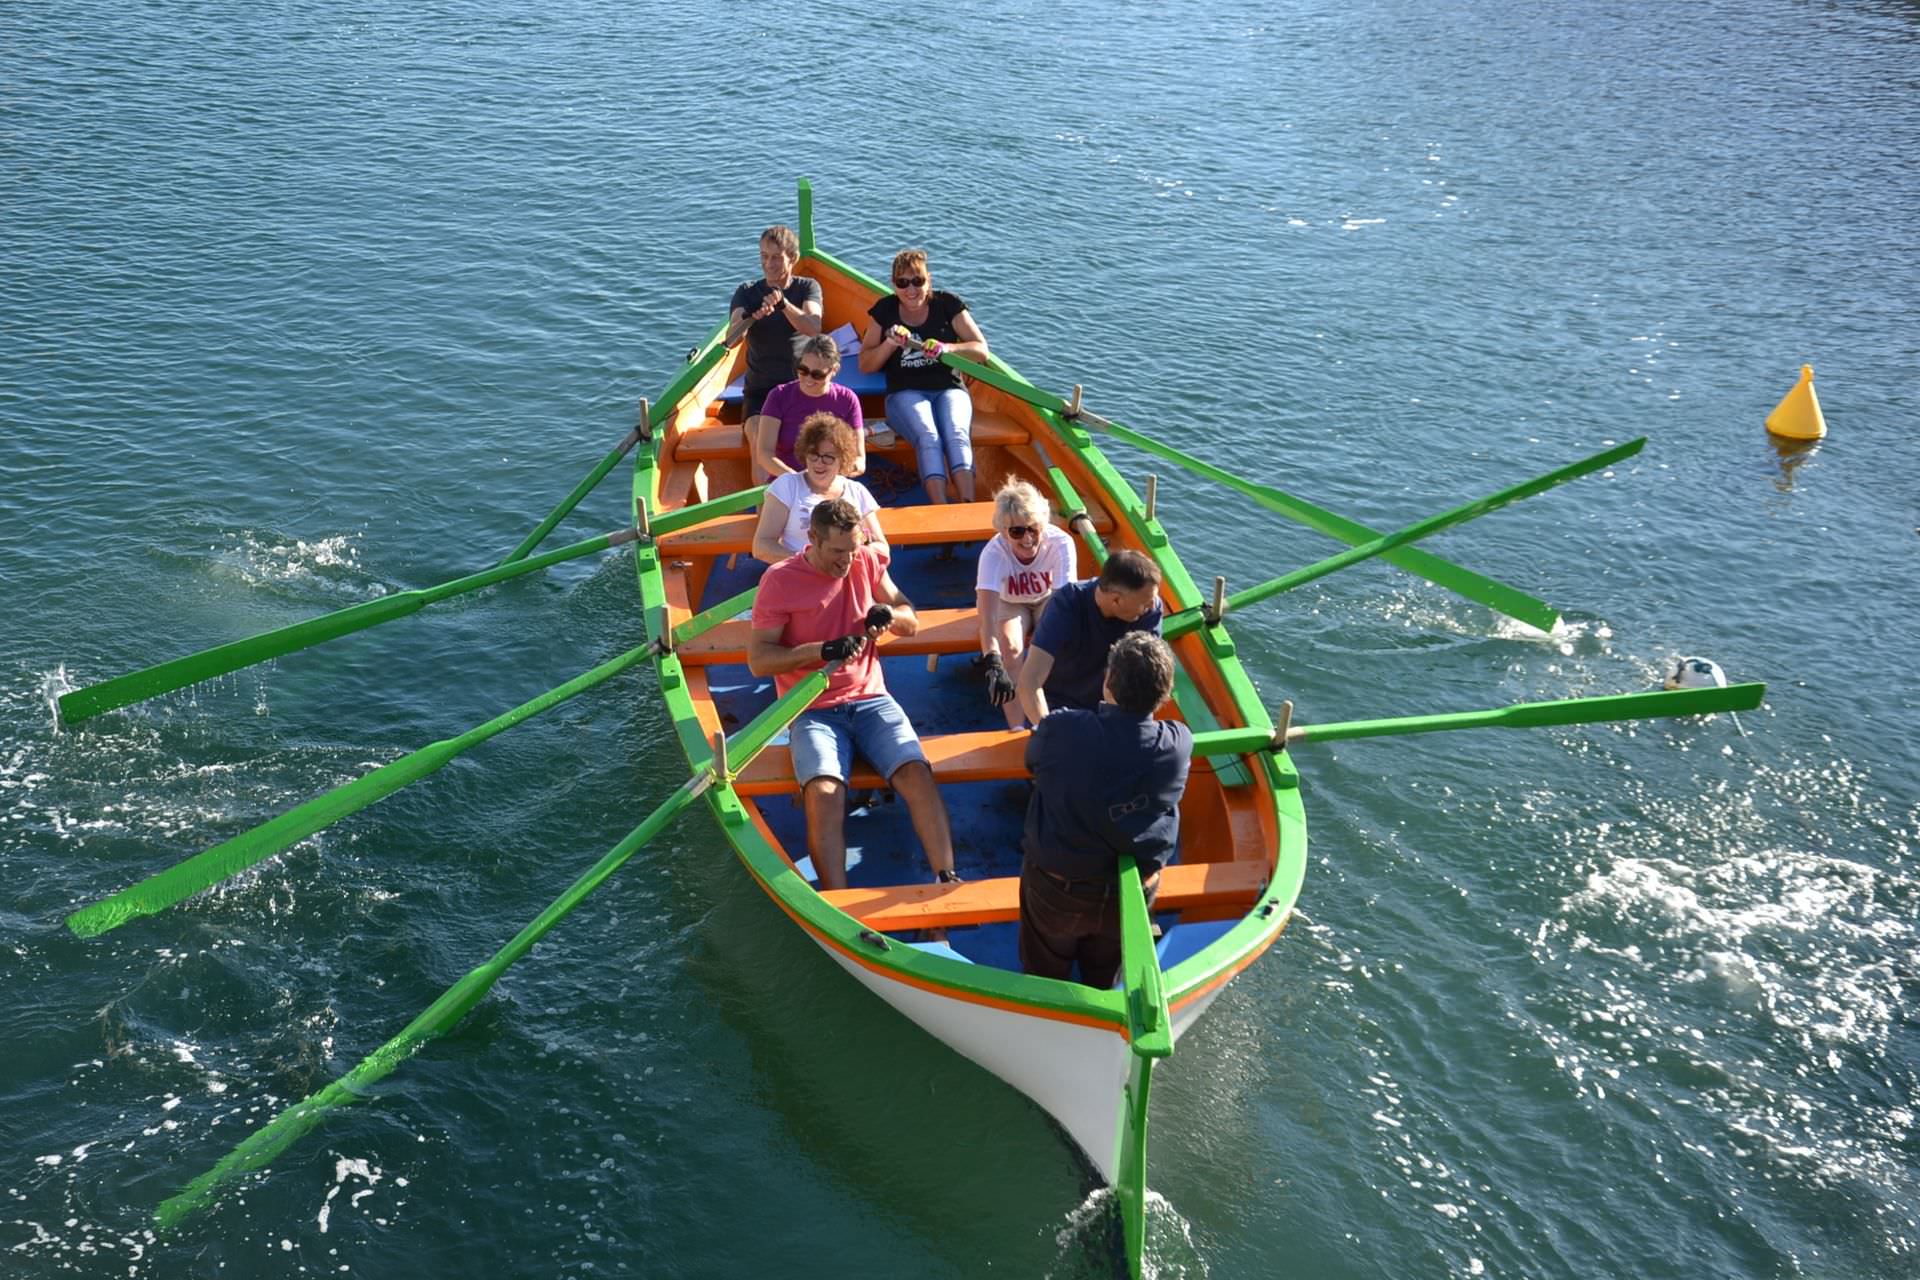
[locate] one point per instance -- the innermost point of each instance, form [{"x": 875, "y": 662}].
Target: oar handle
[{"x": 1149, "y": 1021}]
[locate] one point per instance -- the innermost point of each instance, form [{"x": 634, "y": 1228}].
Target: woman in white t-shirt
[
  {"x": 1027, "y": 558},
  {"x": 828, "y": 451}
]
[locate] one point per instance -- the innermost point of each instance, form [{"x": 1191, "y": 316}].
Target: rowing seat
[
  {"x": 715, "y": 441},
  {"x": 985, "y": 756},
  {"x": 904, "y": 527},
  {"x": 941, "y": 631},
  {"x": 1184, "y": 886}
]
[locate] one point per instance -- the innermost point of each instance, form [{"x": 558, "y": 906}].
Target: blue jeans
[
  {"x": 823, "y": 741},
  {"x": 939, "y": 424}
]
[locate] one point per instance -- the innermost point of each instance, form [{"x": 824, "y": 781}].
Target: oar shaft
[
  {"x": 1534, "y": 715},
  {"x": 705, "y": 358},
  {"x": 1519, "y": 715},
  {"x": 230, "y": 857},
  {"x": 137, "y": 686},
  {"x": 1413, "y": 532},
  {"x": 290, "y": 1125},
  {"x": 1499, "y": 596},
  {"x": 711, "y": 509},
  {"x": 284, "y": 1129}
]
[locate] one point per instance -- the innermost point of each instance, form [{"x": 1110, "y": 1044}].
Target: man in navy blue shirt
[
  {"x": 1107, "y": 782},
  {"x": 1067, "y": 657}
]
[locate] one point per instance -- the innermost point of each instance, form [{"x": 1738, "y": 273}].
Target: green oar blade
[
  {"x": 1420, "y": 529},
  {"x": 287, "y": 1127},
  {"x": 229, "y": 858},
  {"x": 137, "y": 686},
  {"x": 440, "y": 1017},
  {"x": 1498, "y": 596}
]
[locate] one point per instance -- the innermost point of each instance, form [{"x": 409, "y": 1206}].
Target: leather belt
[{"x": 1104, "y": 885}]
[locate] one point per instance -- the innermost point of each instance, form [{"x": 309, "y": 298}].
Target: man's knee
[
  {"x": 914, "y": 775},
  {"x": 823, "y": 794}
]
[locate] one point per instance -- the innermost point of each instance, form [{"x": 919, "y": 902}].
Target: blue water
[{"x": 302, "y": 304}]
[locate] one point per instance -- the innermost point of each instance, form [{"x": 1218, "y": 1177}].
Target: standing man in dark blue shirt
[
  {"x": 1107, "y": 782},
  {"x": 1067, "y": 657}
]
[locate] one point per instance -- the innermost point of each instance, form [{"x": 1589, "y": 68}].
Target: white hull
[{"x": 1077, "y": 1073}]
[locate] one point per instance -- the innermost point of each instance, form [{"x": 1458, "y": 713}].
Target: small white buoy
[{"x": 1695, "y": 673}]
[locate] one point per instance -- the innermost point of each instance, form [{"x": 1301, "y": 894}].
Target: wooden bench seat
[
  {"x": 904, "y": 526},
  {"x": 941, "y": 631},
  {"x": 713, "y": 441},
  {"x": 1183, "y": 886},
  {"x": 984, "y": 756}
]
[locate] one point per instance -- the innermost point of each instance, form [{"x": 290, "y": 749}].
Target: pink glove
[
  {"x": 900, "y": 335},
  {"x": 936, "y": 348}
]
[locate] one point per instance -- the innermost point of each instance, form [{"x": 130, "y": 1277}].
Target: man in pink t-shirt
[{"x": 829, "y": 602}]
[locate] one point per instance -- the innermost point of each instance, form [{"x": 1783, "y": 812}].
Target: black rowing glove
[
  {"x": 879, "y": 617},
  {"x": 844, "y": 647},
  {"x": 1000, "y": 689}
]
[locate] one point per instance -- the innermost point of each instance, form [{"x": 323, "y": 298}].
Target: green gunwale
[{"x": 1199, "y": 972}]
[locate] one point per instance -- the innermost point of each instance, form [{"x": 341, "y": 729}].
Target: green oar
[
  {"x": 702, "y": 360},
  {"x": 1521, "y": 715},
  {"x": 149, "y": 682},
  {"x": 204, "y": 870},
  {"x": 1495, "y": 595},
  {"x": 1192, "y": 618},
  {"x": 1149, "y": 1036},
  {"x": 287, "y": 1127}
]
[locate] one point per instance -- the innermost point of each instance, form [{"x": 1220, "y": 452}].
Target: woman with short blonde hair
[{"x": 1027, "y": 558}]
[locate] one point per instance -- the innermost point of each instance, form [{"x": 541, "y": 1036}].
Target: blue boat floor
[{"x": 986, "y": 817}]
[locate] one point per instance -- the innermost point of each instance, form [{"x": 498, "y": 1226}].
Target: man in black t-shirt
[{"x": 776, "y": 312}]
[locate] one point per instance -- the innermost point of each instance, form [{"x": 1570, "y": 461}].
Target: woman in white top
[
  {"x": 1019, "y": 569},
  {"x": 828, "y": 451}
]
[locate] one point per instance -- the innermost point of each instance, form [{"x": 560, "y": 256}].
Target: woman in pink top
[
  {"x": 772, "y": 432},
  {"x": 1019, "y": 570}
]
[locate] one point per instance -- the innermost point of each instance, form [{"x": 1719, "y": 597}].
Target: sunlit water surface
[{"x": 302, "y": 305}]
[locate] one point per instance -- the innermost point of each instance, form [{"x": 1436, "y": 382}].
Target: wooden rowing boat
[{"x": 1086, "y": 1056}]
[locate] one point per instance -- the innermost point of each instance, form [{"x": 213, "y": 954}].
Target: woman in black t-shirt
[
  {"x": 907, "y": 333},
  {"x": 775, "y": 312}
]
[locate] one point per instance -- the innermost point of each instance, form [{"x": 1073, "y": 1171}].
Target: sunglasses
[
  {"x": 909, "y": 282},
  {"x": 805, "y": 372},
  {"x": 1023, "y": 531}
]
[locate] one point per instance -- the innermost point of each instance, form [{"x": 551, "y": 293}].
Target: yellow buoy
[{"x": 1797, "y": 416}]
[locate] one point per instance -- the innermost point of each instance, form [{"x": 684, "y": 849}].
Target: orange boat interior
[{"x": 1227, "y": 819}]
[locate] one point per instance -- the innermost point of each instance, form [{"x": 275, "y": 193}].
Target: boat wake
[{"x": 1088, "y": 1245}]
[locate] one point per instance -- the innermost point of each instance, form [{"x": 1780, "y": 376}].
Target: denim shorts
[{"x": 824, "y": 741}]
